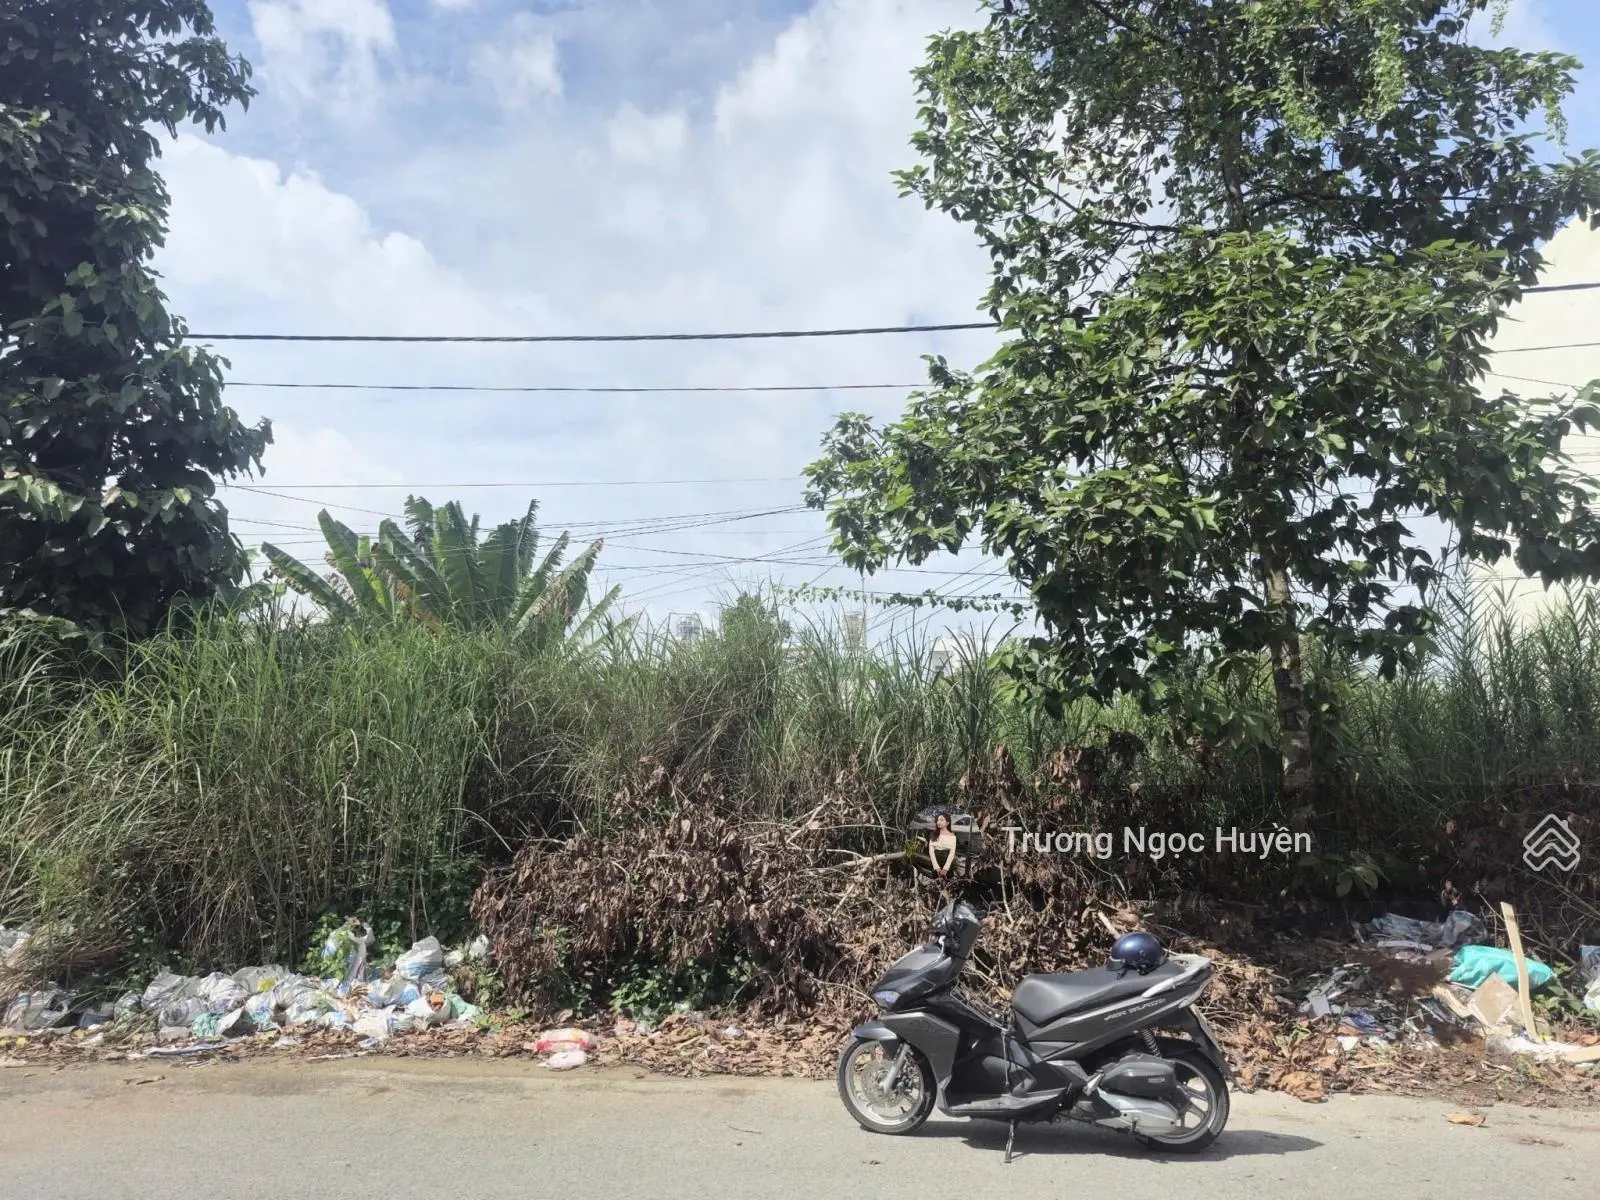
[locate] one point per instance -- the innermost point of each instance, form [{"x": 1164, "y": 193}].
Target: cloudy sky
[{"x": 606, "y": 166}]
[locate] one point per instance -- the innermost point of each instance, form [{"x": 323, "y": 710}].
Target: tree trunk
[{"x": 1288, "y": 683}]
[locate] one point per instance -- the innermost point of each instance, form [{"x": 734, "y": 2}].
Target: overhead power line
[
  {"x": 622, "y": 391},
  {"x": 1531, "y": 349},
  {"x": 536, "y": 483},
  {"x": 720, "y": 389},
  {"x": 1563, "y": 287},
  {"x": 743, "y": 335},
  {"x": 748, "y": 335}
]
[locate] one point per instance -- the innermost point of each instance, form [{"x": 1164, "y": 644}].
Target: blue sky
[{"x": 489, "y": 166}]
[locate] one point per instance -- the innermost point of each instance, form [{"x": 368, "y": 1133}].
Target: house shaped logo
[{"x": 1551, "y": 843}]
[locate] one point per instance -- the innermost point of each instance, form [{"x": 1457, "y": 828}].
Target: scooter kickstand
[{"x": 1010, "y": 1138}]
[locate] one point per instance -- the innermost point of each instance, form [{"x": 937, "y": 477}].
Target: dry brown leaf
[{"x": 1473, "y": 1119}]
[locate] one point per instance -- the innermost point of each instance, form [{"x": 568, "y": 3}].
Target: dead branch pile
[
  {"x": 679, "y": 882},
  {"x": 819, "y": 906}
]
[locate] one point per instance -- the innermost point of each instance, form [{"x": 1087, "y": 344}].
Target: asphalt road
[{"x": 387, "y": 1129}]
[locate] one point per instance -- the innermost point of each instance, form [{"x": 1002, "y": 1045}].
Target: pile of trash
[
  {"x": 1421, "y": 984},
  {"x": 346, "y": 995}
]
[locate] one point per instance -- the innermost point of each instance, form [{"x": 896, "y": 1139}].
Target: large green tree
[
  {"x": 1247, "y": 256},
  {"x": 112, "y": 430}
]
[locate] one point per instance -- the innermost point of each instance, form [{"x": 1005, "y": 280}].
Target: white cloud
[
  {"x": 523, "y": 65},
  {"x": 325, "y": 50},
  {"x": 768, "y": 203},
  {"x": 247, "y": 236},
  {"x": 455, "y": 5},
  {"x": 639, "y": 137}
]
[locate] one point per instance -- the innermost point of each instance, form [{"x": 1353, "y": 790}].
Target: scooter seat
[{"x": 1045, "y": 998}]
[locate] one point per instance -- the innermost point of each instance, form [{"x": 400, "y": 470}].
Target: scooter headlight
[{"x": 886, "y": 998}]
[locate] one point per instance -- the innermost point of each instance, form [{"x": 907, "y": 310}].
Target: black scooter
[{"x": 1082, "y": 1046}]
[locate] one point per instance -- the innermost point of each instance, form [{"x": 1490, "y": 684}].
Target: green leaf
[{"x": 309, "y": 584}]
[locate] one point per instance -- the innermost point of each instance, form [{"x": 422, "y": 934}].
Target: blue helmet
[{"x": 1136, "y": 952}]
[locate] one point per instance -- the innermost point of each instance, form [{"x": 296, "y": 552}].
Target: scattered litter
[
  {"x": 1458, "y": 929},
  {"x": 1473, "y": 1119},
  {"x": 1337, "y": 983},
  {"x": 182, "y": 1051},
  {"x": 430, "y": 1010},
  {"x": 258, "y": 980},
  {"x": 1364, "y": 1022},
  {"x": 376, "y": 1026},
  {"x": 556, "y": 1040},
  {"x": 425, "y": 958},
  {"x": 1493, "y": 1001},
  {"x": 733, "y": 1031},
  {"x": 1518, "y": 1044},
  {"x": 13, "y": 942},
  {"x": 37, "y": 1011},
  {"x": 1474, "y": 964},
  {"x": 1589, "y": 973},
  {"x": 344, "y": 954},
  {"x": 566, "y": 1060},
  {"x": 392, "y": 990},
  {"x": 163, "y": 988}
]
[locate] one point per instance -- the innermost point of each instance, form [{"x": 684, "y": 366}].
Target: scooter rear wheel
[
  {"x": 1207, "y": 1096},
  {"x": 901, "y": 1110}
]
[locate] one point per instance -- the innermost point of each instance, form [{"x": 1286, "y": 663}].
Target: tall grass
[
  {"x": 220, "y": 790},
  {"x": 216, "y": 793}
]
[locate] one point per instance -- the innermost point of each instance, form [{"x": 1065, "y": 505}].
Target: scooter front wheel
[{"x": 878, "y": 1103}]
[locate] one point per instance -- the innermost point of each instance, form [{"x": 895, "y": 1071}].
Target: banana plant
[{"x": 436, "y": 570}]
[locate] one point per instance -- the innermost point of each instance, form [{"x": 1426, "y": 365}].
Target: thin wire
[
  {"x": 1530, "y": 379},
  {"x": 588, "y": 337},
  {"x": 738, "y": 389},
  {"x": 1531, "y": 349},
  {"x": 626, "y": 391},
  {"x": 1561, "y": 287},
  {"x": 675, "y": 337},
  {"x": 307, "y": 487}
]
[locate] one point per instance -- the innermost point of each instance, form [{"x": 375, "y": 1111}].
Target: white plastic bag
[
  {"x": 423, "y": 959},
  {"x": 182, "y": 1013},
  {"x": 378, "y": 1023},
  {"x": 37, "y": 1010},
  {"x": 347, "y": 947},
  {"x": 260, "y": 1009},
  {"x": 306, "y": 1003},
  {"x": 429, "y": 1013},
  {"x": 566, "y": 1060},
  {"x": 395, "y": 990},
  {"x": 13, "y": 944},
  {"x": 221, "y": 992},
  {"x": 260, "y": 979},
  {"x": 165, "y": 988}
]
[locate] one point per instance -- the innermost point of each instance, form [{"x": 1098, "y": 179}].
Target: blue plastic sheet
[{"x": 1474, "y": 964}]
